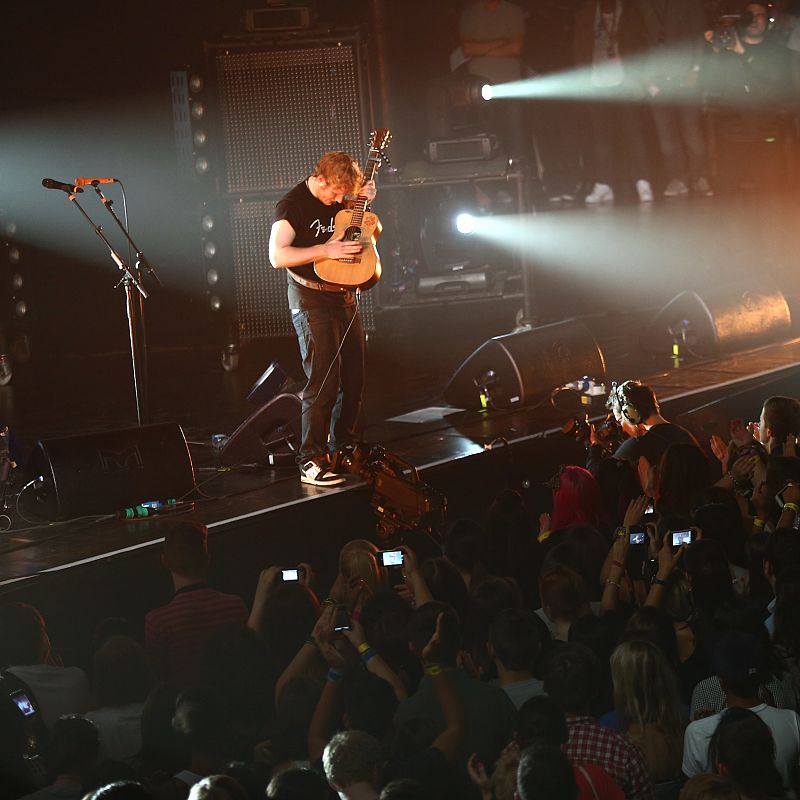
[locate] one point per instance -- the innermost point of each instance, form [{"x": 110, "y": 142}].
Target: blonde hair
[
  {"x": 339, "y": 170},
  {"x": 645, "y": 688},
  {"x": 708, "y": 787},
  {"x": 358, "y": 559}
]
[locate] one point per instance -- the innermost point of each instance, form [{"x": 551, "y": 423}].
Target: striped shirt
[{"x": 176, "y": 635}]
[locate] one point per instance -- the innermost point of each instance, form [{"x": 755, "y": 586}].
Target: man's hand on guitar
[
  {"x": 369, "y": 191},
  {"x": 338, "y": 248}
]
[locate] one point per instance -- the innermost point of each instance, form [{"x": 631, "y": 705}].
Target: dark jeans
[
  {"x": 333, "y": 405},
  {"x": 617, "y": 126},
  {"x": 679, "y": 127}
]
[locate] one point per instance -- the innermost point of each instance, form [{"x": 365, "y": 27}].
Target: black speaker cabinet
[
  {"x": 721, "y": 318},
  {"x": 522, "y": 367},
  {"x": 265, "y": 433},
  {"x": 101, "y": 473}
]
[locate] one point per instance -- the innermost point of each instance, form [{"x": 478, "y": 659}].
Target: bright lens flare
[
  {"x": 465, "y": 223},
  {"x": 486, "y": 92}
]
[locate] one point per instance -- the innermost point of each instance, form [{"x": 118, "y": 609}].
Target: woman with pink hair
[{"x": 576, "y": 501}]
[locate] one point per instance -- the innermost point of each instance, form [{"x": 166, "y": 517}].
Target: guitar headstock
[{"x": 379, "y": 141}]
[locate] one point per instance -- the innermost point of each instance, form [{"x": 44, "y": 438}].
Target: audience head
[
  {"x": 201, "y": 721},
  {"x": 545, "y": 773},
  {"x": 740, "y": 662},
  {"x": 787, "y": 611},
  {"x": 709, "y": 575},
  {"x": 422, "y": 626},
  {"x": 445, "y": 583},
  {"x": 564, "y": 595},
  {"x": 576, "y": 498},
  {"x": 515, "y": 639},
  {"x": 780, "y": 471},
  {"x": 571, "y": 675},
  {"x": 488, "y": 596},
  {"x": 780, "y": 416},
  {"x": 632, "y": 404},
  {"x": 722, "y": 522},
  {"x": 297, "y": 784},
  {"x": 655, "y": 626},
  {"x": 359, "y": 566},
  {"x": 385, "y": 618},
  {"x": 462, "y": 545},
  {"x": 185, "y": 550},
  {"x": 218, "y": 787},
  {"x": 708, "y": 787},
  {"x": 23, "y": 636},
  {"x": 352, "y": 757},
  {"x": 645, "y": 687},
  {"x": 404, "y": 789},
  {"x": 120, "y": 790},
  {"x": 540, "y": 720},
  {"x": 120, "y": 673},
  {"x": 74, "y": 745},
  {"x": 742, "y": 749},
  {"x": 782, "y": 550}
]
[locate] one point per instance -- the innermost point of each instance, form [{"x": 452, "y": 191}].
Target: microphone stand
[{"x": 130, "y": 280}]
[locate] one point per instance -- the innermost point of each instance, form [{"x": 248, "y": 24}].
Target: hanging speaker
[
  {"x": 722, "y": 318},
  {"x": 101, "y": 473},
  {"x": 523, "y": 367},
  {"x": 266, "y": 435}
]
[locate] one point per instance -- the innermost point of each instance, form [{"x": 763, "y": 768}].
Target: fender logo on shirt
[{"x": 329, "y": 228}]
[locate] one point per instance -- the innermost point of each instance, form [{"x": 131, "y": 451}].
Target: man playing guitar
[{"x": 321, "y": 313}]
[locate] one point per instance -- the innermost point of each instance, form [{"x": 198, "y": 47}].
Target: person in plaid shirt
[{"x": 571, "y": 678}]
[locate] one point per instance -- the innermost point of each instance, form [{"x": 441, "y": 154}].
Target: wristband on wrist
[
  {"x": 758, "y": 522},
  {"x": 367, "y": 656},
  {"x": 312, "y": 641},
  {"x": 334, "y": 676},
  {"x": 612, "y": 582},
  {"x": 791, "y": 507},
  {"x": 433, "y": 670},
  {"x": 658, "y": 581},
  {"x": 618, "y": 564},
  {"x": 362, "y": 648},
  {"x": 543, "y": 536},
  {"x": 620, "y": 531}
]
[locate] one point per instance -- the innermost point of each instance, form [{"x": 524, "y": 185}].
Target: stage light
[
  {"x": 465, "y": 224},
  {"x": 486, "y": 92},
  {"x": 200, "y": 138},
  {"x": 212, "y": 276},
  {"x": 21, "y": 308},
  {"x": 196, "y": 84},
  {"x": 198, "y": 110},
  {"x": 215, "y": 303},
  {"x": 202, "y": 165},
  {"x": 14, "y": 255},
  {"x": 11, "y": 228},
  {"x": 209, "y": 250},
  {"x": 207, "y": 223},
  {"x": 16, "y": 281}
]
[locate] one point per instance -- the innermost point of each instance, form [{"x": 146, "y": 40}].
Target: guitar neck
[{"x": 360, "y": 205}]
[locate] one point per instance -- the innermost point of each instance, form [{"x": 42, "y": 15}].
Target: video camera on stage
[
  {"x": 401, "y": 501},
  {"x": 607, "y": 433}
]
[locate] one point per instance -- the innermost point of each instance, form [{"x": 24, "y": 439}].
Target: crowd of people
[
  {"x": 642, "y": 97},
  {"x": 638, "y": 639}
]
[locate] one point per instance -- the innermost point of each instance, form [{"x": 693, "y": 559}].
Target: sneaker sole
[{"x": 316, "y": 482}]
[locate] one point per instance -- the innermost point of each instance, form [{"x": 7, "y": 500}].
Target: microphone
[
  {"x": 69, "y": 188},
  {"x": 92, "y": 181}
]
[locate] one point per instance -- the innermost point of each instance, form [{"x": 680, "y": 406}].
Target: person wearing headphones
[{"x": 638, "y": 413}]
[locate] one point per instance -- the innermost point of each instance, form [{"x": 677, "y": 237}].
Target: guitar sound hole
[{"x": 353, "y": 234}]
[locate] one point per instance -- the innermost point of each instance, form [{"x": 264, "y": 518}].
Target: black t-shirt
[
  {"x": 654, "y": 443},
  {"x": 312, "y": 221}
]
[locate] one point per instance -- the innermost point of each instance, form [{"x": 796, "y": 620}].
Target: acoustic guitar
[{"x": 363, "y": 270}]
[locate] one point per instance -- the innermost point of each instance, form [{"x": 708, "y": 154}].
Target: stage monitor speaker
[
  {"x": 265, "y": 433},
  {"x": 524, "y": 366},
  {"x": 101, "y": 473},
  {"x": 722, "y": 318}
]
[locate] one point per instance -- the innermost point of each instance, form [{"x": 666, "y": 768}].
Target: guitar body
[{"x": 363, "y": 270}]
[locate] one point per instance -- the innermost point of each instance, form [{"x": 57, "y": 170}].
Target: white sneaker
[
  {"x": 319, "y": 474},
  {"x": 645, "y": 191},
  {"x": 601, "y": 193}
]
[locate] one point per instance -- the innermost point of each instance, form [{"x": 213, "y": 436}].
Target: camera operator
[
  {"x": 638, "y": 414},
  {"x": 748, "y": 77}
]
